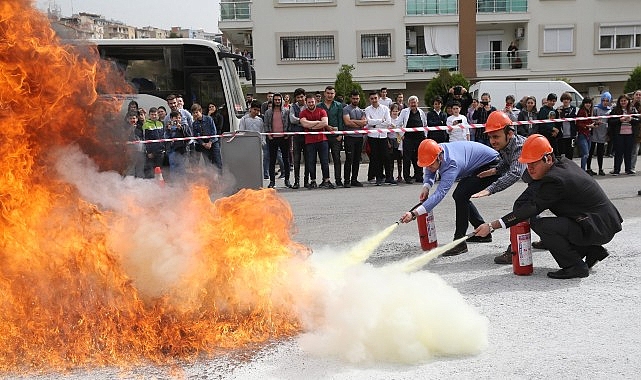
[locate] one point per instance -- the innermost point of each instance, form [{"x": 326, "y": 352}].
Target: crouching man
[{"x": 584, "y": 220}]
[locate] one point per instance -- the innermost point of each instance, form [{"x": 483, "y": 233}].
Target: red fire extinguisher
[
  {"x": 521, "y": 242},
  {"x": 427, "y": 231}
]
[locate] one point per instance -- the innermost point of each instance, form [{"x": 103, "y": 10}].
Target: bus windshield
[{"x": 191, "y": 68}]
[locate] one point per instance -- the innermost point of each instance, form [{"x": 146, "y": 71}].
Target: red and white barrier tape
[{"x": 385, "y": 130}]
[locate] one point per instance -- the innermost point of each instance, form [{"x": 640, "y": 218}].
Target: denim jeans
[
  {"x": 322, "y": 149},
  {"x": 583, "y": 142}
]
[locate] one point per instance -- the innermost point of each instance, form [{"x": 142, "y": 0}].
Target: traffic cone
[{"x": 158, "y": 176}]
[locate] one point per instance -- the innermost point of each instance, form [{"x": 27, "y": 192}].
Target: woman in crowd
[
  {"x": 583, "y": 132},
  {"x": 600, "y": 132},
  {"x": 622, "y": 131},
  {"x": 528, "y": 113}
]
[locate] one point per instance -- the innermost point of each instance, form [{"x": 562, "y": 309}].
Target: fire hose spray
[
  {"x": 426, "y": 230},
  {"x": 521, "y": 242}
]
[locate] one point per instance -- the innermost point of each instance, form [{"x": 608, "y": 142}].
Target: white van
[{"x": 499, "y": 89}]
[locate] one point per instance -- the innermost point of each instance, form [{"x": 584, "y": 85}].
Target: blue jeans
[
  {"x": 322, "y": 149},
  {"x": 265, "y": 160},
  {"x": 583, "y": 142}
]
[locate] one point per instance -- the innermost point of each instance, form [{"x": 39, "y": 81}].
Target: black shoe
[
  {"x": 287, "y": 184},
  {"x": 409, "y": 181},
  {"x": 601, "y": 172},
  {"x": 339, "y": 183},
  {"x": 505, "y": 257},
  {"x": 480, "y": 239},
  {"x": 579, "y": 270},
  {"x": 329, "y": 185},
  {"x": 356, "y": 184},
  {"x": 346, "y": 185},
  {"x": 538, "y": 245},
  {"x": 595, "y": 254},
  {"x": 590, "y": 172},
  {"x": 378, "y": 182},
  {"x": 391, "y": 182},
  {"x": 306, "y": 183},
  {"x": 296, "y": 185},
  {"x": 271, "y": 184},
  {"x": 456, "y": 250},
  {"x": 312, "y": 185},
  {"x": 418, "y": 180},
  {"x": 281, "y": 176},
  {"x": 266, "y": 177}
]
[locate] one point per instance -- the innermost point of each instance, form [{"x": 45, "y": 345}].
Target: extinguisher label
[
  {"x": 525, "y": 249},
  {"x": 431, "y": 228}
]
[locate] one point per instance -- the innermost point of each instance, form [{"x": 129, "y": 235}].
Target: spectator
[
  {"x": 567, "y": 133},
  {"x": 313, "y": 118},
  {"x": 457, "y": 124},
  {"x": 276, "y": 122},
  {"x": 209, "y": 148},
  {"x": 383, "y": 99},
  {"x": 136, "y": 151},
  {"x": 459, "y": 94},
  {"x": 153, "y": 129},
  {"x": 636, "y": 103},
  {"x": 436, "y": 118},
  {"x": 353, "y": 119},
  {"x": 177, "y": 149},
  {"x": 549, "y": 130},
  {"x": 600, "y": 132},
  {"x": 334, "y": 112},
  {"x": 393, "y": 142},
  {"x": 217, "y": 117},
  {"x": 252, "y": 121},
  {"x": 299, "y": 140},
  {"x": 162, "y": 114},
  {"x": 480, "y": 115},
  {"x": 470, "y": 116},
  {"x": 265, "y": 106},
  {"x": 378, "y": 117},
  {"x": 622, "y": 131},
  {"x": 584, "y": 133},
  {"x": 510, "y": 110},
  {"x": 399, "y": 100},
  {"x": 528, "y": 113},
  {"x": 412, "y": 117}
]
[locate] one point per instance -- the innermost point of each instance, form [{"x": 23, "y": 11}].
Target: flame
[{"x": 82, "y": 284}]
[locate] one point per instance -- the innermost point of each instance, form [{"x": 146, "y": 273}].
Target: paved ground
[{"x": 538, "y": 327}]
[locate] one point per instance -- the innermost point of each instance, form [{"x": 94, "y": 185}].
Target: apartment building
[{"x": 401, "y": 44}]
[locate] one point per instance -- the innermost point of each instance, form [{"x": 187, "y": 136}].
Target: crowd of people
[{"x": 321, "y": 111}]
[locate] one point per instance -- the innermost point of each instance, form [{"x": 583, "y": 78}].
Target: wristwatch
[
  {"x": 414, "y": 215},
  {"x": 490, "y": 226}
]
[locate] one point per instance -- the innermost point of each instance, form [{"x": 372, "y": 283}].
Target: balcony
[
  {"x": 501, "y": 60},
  {"x": 416, "y": 63},
  {"x": 501, "y": 6},
  {"x": 235, "y": 10},
  {"x": 431, "y": 7}
]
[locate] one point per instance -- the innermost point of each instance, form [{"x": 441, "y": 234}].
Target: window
[
  {"x": 376, "y": 45},
  {"x": 558, "y": 39},
  {"x": 307, "y": 48},
  {"x": 619, "y": 37},
  {"x": 305, "y": 1}
]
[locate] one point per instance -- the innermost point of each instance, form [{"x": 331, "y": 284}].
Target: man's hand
[
  {"x": 425, "y": 192},
  {"x": 482, "y": 230},
  {"x": 487, "y": 173},
  {"x": 407, "y": 217},
  {"x": 480, "y": 194}
]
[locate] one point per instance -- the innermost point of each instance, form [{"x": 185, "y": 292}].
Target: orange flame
[{"x": 79, "y": 285}]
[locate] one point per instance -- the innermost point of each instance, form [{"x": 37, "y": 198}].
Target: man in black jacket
[{"x": 585, "y": 219}]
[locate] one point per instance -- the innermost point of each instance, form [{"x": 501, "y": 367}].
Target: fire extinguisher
[
  {"x": 426, "y": 230},
  {"x": 521, "y": 242}
]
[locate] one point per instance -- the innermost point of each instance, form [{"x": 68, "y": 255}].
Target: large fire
[{"x": 84, "y": 284}]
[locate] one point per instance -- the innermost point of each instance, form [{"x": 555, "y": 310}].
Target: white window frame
[
  {"x": 310, "y": 38},
  {"x": 633, "y": 30},
  {"x": 558, "y": 32},
  {"x": 376, "y": 34},
  {"x": 304, "y": 3},
  {"x": 374, "y": 2}
]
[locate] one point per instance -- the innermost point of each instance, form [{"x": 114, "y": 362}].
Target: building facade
[{"x": 402, "y": 44}]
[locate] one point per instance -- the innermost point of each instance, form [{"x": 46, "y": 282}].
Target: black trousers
[
  {"x": 274, "y": 144},
  {"x": 335, "y": 146},
  {"x": 410, "y": 158},
  {"x": 380, "y": 158},
  {"x": 565, "y": 147},
  {"x": 465, "y": 209},
  {"x": 299, "y": 155},
  {"x": 353, "y": 151}
]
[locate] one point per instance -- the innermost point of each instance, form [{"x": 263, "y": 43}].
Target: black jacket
[{"x": 568, "y": 191}]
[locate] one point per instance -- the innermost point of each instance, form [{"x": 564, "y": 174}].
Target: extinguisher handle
[{"x": 415, "y": 207}]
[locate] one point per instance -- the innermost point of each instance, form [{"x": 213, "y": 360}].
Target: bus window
[{"x": 207, "y": 88}]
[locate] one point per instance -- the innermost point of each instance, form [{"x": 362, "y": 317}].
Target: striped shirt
[{"x": 509, "y": 168}]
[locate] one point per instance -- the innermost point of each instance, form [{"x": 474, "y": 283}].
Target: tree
[
  {"x": 345, "y": 84},
  {"x": 634, "y": 82},
  {"x": 440, "y": 84}
]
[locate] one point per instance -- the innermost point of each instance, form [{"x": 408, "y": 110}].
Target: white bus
[{"x": 201, "y": 71}]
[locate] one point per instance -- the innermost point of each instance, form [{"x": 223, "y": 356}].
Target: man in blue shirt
[{"x": 460, "y": 160}]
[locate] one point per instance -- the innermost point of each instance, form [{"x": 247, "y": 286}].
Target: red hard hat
[
  {"x": 535, "y": 148},
  {"x": 428, "y": 151},
  {"x": 496, "y": 121}
]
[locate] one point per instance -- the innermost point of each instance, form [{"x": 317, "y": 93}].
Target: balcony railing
[
  {"x": 235, "y": 10},
  {"x": 430, "y": 7},
  {"x": 502, "y": 60},
  {"x": 416, "y": 63},
  {"x": 501, "y": 6}
]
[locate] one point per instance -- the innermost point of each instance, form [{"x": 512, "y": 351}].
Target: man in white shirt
[
  {"x": 378, "y": 116},
  {"x": 383, "y": 99}
]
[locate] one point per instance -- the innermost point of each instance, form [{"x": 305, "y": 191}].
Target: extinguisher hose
[{"x": 412, "y": 209}]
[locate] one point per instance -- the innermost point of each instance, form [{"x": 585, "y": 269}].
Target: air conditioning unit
[
  {"x": 520, "y": 32},
  {"x": 411, "y": 39}
]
